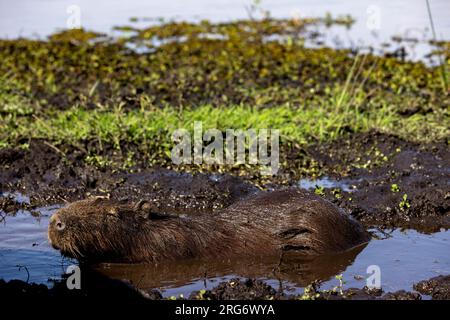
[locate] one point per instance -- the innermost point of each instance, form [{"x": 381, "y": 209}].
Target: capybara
[{"x": 105, "y": 230}]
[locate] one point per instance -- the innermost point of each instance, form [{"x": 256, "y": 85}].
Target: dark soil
[
  {"x": 234, "y": 289},
  {"x": 237, "y": 289},
  {"x": 374, "y": 162},
  {"x": 48, "y": 177},
  {"x": 9, "y": 204},
  {"x": 371, "y": 294},
  {"x": 438, "y": 288}
]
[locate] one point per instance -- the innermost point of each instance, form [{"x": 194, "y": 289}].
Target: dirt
[
  {"x": 234, "y": 289},
  {"x": 373, "y": 161},
  {"x": 237, "y": 289},
  {"x": 9, "y": 204},
  {"x": 93, "y": 286},
  {"x": 371, "y": 294},
  {"x": 48, "y": 177},
  {"x": 376, "y": 163},
  {"x": 438, "y": 288}
]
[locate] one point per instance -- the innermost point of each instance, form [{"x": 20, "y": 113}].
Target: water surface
[
  {"x": 404, "y": 257},
  {"x": 376, "y": 21}
]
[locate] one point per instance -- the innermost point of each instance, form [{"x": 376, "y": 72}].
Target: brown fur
[{"x": 268, "y": 223}]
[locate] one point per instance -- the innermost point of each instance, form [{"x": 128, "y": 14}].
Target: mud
[
  {"x": 49, "y": 176},
  {"x": 370, "y": 294},
  {"x": 11, "y": 203},
  {"x": 233, "y": 289},
  {"x": 373, "y": 161},
  {"x": 236, "y": 289},
  {"x": 438, "y": 288}
]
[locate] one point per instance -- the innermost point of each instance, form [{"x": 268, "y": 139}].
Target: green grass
[{"x": 301, "y": 125}]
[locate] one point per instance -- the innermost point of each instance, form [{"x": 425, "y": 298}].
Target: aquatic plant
[
  {"x": 395, "y": 187},
  {"x": 404, "y": 204},
  {"x": 81, "y": 87},
  {"x": 319, "y": 190}
]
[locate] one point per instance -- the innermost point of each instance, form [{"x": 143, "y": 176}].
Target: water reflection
[{"x": 297, "y": 270}]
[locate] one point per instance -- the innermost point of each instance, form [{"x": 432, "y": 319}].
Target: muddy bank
[
  {"x": 438, "y": 288},
  {"x": 393, "y": 183},
  {"x": 235, "y": 289},
  {"x": 251, "y": 289},
  {"x": 49, "y": 177}
]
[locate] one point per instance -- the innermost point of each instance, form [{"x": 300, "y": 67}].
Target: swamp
[{"x": 91, "y": 95}]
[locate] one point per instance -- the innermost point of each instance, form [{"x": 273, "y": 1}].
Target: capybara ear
[{"x": 143, "y": 208}]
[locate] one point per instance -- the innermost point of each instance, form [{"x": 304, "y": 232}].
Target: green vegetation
[
  {"x": 319, "y": 190},
  {"x": 340, "y": 287},
  {"x": 337, "y": 193},
  {"x": 300, "y": 125},
  {"x": 312, "y": 292},
  {"x": 81, "y": 87},
  {"x": 309, "y": 293},
  {"x": 404, "y": 204},
  {"x": 395, "y": 188}
]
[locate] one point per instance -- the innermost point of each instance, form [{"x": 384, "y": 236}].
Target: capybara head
[
  {"x": 99, "y": 228},
  {"x": 103, "y": 230}
]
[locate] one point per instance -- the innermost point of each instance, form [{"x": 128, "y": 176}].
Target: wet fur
[{"x": 267, "y": 223}]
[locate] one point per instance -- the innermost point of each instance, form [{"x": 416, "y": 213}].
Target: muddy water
[{"x": 404, "y": 257}]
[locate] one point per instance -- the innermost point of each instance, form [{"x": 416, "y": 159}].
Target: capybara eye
[{"x": 60, "y": 226}]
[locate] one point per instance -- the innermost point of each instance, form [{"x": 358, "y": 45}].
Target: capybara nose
[{"x": 59, "y": 225}]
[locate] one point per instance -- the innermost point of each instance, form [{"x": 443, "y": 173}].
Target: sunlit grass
[{"x": 301, "y": 125}]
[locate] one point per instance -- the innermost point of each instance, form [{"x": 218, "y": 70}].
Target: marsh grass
[
  {"x": 301, "y": 125},
  {"x": 70, "y": 91}
]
